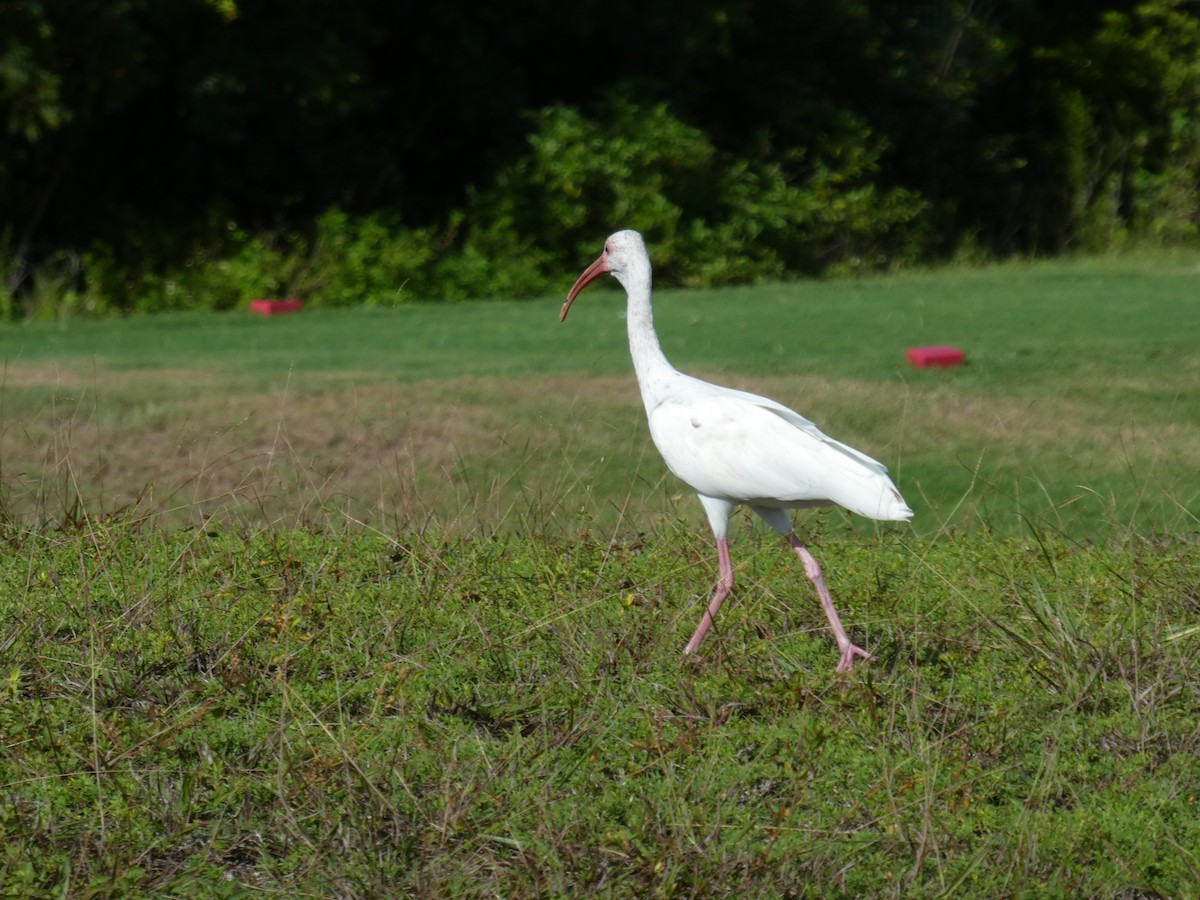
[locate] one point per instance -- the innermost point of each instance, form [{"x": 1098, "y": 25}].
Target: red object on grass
[
  {"x": 275, "y": 307},
  {"x": 926, "y": 357}
]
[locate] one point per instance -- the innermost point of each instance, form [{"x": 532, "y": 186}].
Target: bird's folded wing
[
  {"x": 737, "y": 445},
  {"x": 795, "y": 419}
]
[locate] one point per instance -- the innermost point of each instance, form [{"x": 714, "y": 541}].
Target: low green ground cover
[
  {"x": 393, "y": 602},
  {"x": 201, "y": 714}
]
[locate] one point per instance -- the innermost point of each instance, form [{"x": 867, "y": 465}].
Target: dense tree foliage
[{"x": 184, "y": 152}]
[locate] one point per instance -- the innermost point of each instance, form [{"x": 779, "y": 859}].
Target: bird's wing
[
  {"x": 798, "y": 421},
  {"x": 736, "y": 445}
]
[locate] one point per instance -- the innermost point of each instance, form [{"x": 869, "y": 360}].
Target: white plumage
[{"x": 733, "y": 447}]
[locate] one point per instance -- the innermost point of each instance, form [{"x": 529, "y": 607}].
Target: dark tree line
[{"x": 140, "y": 136}]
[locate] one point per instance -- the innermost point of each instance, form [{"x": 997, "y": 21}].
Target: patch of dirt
[
  {"x": 187, "y": 445},
  {"x": 22, "y": 374},
  {"x": 39, "y": 374},
  {"x": 368, "y": 450}
]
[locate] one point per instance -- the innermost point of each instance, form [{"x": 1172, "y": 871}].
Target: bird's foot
[
  {"x": 691, "y": 660},
  {"x": 846, "y": 663}
]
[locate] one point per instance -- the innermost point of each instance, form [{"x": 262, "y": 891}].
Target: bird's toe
[{"x": 846, "y": 663}]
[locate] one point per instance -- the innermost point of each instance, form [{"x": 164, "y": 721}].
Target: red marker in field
[
  {"x": 942, "y": 357},
  {"x": 735, "y": 448},
  {"x": 275, "y": 307}
]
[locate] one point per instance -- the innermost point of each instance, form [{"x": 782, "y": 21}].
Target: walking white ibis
[{"x": 733, "y": 447}]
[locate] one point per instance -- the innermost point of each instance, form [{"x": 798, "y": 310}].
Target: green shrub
[
  {"x": 11, "y": 270},
  {"x": 368, "y": 261},
  {"x": 710, "y": 218},
  {"x": 258, "y": 266}
]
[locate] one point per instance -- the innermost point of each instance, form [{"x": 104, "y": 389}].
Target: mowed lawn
[
  {"x": 392, "y": 602},
  {"x": 1077, "y": 409}
]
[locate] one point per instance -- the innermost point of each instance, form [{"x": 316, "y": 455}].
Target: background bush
[{"x": 193, "y": 153}]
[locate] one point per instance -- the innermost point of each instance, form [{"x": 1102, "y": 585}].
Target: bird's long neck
[{"x": 650, "y": 364}]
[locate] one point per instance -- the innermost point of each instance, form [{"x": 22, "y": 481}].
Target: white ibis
[{"x": 733, "y": 447}]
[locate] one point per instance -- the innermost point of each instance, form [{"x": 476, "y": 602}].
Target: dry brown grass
[
  {"x": 197, "y": 442},
  {"x": 191, "y": 444}
]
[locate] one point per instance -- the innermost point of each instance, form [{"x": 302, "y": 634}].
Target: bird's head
[{"x": 624, "y": 257}]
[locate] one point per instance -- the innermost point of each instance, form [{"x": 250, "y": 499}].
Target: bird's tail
[
  {"x": 891, "y": 506},
  {"x": 862, "y": 485},
  {"x": 872, "y": 494}
]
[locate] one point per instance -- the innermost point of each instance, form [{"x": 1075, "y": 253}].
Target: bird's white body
[{"x": 734, "y": 447}]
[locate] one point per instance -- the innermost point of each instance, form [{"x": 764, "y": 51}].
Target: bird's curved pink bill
[{"x": 590, "y": 274}]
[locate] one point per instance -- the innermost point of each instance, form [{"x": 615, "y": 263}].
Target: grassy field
[
  {"x": 392, "y": 602},
  {"x": 217, "y": 714},
  {"x": 1077, "y": 408}
]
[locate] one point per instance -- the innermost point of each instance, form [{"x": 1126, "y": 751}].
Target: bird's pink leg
[
  {"x": 724, "y": 586},
  {"x": 813, "y": 571}
]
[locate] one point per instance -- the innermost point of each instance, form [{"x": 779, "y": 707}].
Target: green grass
[
  {"x": 392, "y": 603},
  {"x": 1019, "y": 322},
  {"x": 315, "y": 714},
  {"x": 1077, "y": 408}
]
